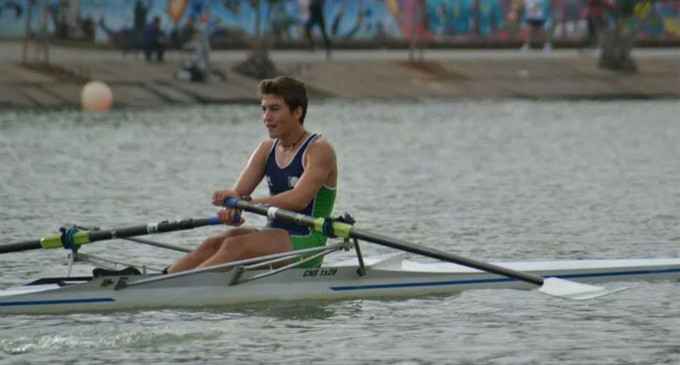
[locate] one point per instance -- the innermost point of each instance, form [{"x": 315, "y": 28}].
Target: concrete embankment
[{"x": 379, "y": 74}]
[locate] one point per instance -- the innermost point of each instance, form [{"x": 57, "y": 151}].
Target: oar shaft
[
  {"x": 83, "y": 237},
  {"x": 346, "y": 230},
  {"x": 444, "y": 256},
  {"x": 152, "y": 228},
  {"x": 276, "y": 213},
  {"x": 21, "y": 246}
]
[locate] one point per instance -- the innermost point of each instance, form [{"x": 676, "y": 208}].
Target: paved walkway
[{"x": 381, "y": 74}]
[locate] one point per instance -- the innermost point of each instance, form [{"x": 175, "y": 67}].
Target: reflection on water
[
  {"x": 489, "y": 180},
  {"x": 289, "y": 310}
]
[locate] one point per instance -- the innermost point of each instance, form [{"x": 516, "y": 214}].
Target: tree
[
  {"x": 258, "y": 64},
  {"x": 618, "y": 41}
]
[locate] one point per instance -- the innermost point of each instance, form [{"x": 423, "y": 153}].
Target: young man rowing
[{"x": 302, "y": 175}]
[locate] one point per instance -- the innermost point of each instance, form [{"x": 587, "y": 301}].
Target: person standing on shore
[
  {"x": 317, "y": 17},
  {"x": 154, "y": 40},
  {"x": 536, "y": 15},
  {"x": 302, "y": 175}
]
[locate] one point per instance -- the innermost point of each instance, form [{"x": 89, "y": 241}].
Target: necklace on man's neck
[{"x": 291, "y": 146}]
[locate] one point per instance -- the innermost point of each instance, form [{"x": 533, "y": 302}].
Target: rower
[{"x": 301, "y": 171}]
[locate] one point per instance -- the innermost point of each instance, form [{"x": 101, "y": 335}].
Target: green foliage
[{"x": 627, "y": 7}]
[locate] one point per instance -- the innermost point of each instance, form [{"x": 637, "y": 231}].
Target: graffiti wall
[{"x": 234, "y": 21}]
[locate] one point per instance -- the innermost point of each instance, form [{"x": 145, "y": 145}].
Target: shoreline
[{"x": 564, "y": 74}]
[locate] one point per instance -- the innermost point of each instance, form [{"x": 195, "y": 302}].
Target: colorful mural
[{"x": 227, "y": 22}]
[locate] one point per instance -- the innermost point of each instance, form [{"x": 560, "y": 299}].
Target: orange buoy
[{"x": 96, "y": 97}]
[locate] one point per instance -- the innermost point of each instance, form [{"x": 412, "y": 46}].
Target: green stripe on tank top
[{"x": 323, "y": 202}]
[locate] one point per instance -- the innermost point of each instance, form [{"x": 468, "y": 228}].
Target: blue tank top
[{"x": 284, "y": 178}]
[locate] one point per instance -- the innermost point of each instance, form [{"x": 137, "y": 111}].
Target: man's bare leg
[
  {"x": 206, "y": 250},
  {"x": 246, "y": 246}
]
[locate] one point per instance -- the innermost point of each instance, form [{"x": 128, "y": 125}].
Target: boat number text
[{"x": 319, "y": 272}]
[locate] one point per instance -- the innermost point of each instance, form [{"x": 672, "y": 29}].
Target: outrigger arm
[{"x": 241, "y": 266}]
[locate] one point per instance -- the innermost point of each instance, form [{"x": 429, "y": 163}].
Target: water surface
[{"x": 484, "y": 179}]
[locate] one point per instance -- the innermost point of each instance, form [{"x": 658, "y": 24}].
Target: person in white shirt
[{"x": 536, "y": 16}]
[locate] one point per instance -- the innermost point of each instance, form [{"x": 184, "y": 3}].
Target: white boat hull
[{"x": 387, "y": 276}]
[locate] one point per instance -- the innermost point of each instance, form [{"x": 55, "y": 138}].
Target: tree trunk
[
  {"x": 616, "y": 50},
  {"x": 258, "y": 65},
  {"x": 617, "y": 43}
]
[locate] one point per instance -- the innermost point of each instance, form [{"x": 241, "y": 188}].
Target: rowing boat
[
  {"x": 256, "y": 280},
  {"x": 384, "y": 276}
]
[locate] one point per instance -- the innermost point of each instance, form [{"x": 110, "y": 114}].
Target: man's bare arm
[
  {"x": 249, "y": 178},
  {"x": 254, "y": 171}
]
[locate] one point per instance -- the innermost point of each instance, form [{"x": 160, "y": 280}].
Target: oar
[
  {"x": 553, "y": 286},
  {"x": 77, "y": 238},
  {"x": 141, "y": 240}
]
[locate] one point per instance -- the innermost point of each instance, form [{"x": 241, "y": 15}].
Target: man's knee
[
  {"x": 210, "y": 244},
  {"x": 243, "y": 246},
  {"x": 216, "y": 242},
  {"x": 239, "y": 247}
]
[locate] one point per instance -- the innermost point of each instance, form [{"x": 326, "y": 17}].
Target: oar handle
[{"x": 231, "y": 203}]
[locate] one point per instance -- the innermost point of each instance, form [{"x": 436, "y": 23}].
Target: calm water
[{"x": 489, "y": 180}]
